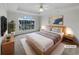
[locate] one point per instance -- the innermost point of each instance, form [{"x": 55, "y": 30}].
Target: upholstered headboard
[
  {"x": 60, "y": 27},
  {"x": 55, "y": 28}
]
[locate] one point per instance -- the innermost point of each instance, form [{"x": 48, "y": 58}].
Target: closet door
[{"x": 3, "y": 25}]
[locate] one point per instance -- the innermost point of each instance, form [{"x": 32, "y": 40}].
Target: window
[{"x": 26, "y": 23}]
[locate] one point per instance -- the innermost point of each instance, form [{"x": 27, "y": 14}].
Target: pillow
[
  {"x": 56, "y": 30},
  {"x": 46, "y": 28}
]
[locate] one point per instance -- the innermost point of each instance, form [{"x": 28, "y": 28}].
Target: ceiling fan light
[{"x": 41, "y": 9}]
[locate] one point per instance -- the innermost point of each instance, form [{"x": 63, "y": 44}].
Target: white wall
[
  {"x": 15, "y": 15},
  {"x": 71, "y": 19},
  {"x": 3, "y": 12}
]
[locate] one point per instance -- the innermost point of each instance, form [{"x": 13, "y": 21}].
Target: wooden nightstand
[
  {"x": 69, "y": 39},
  {"x": 7, "y": 48}
]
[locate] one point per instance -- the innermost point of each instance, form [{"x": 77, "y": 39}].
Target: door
[{"x": 3, "y": 25}]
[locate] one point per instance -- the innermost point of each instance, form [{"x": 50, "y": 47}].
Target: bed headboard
[
  {"x": 57, "y": 28},
  {"x": 60, "y": 27}
]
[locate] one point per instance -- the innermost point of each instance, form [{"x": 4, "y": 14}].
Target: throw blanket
[{"x": 54, "y": 36}]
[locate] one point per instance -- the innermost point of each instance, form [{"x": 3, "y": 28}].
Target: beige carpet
[
  {"x": 58, "y": 51},
  {"x": 71, "y": 51}
]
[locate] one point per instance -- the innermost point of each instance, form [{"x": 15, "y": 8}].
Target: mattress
[{"x": 41, "y": 42}]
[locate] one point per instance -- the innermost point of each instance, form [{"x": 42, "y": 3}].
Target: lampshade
[
  {"x": 68, "y": 31},
  {"x": 43, "y": 27}
]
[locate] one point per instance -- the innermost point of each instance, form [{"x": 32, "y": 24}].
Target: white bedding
[
  {"x": 60, "y": 33},
  {"x": 41, "y": 42}
]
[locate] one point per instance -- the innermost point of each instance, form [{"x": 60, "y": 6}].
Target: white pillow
[{"x": 56, "y": 30}]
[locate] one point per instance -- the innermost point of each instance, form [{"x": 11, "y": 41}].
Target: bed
[{"x": 44, "y": 42}]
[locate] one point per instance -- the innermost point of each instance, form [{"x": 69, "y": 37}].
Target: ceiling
[{"x": 34, "y": 7}]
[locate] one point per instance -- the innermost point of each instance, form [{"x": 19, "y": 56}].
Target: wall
[
  {"x": 71, "y": 19},
  {"x": 3, "y": 12},
  {"x": 15, "y": 15}
]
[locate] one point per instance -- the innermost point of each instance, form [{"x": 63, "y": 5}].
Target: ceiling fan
[
  {"x": 42, "y": 7},
  {"x": 37, "y": 8}
]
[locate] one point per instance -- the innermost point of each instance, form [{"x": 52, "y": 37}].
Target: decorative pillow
[
  {"x": 56, "y": 30},
  {"x": 47, "y": 28}
]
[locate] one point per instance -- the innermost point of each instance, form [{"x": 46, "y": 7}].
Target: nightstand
[
  {"x": 69, "y": 39},
  {"x": 7, "y": 48}
]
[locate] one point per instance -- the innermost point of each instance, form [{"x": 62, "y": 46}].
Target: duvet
[{"x": 43, "y": 42}]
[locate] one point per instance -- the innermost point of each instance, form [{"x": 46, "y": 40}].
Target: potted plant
[
  {"x": 11, "y": 27},
  {"x": 7, "y": 38}
]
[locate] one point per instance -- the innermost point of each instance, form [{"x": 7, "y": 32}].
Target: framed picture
[{"x": 56, "y": 20}]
